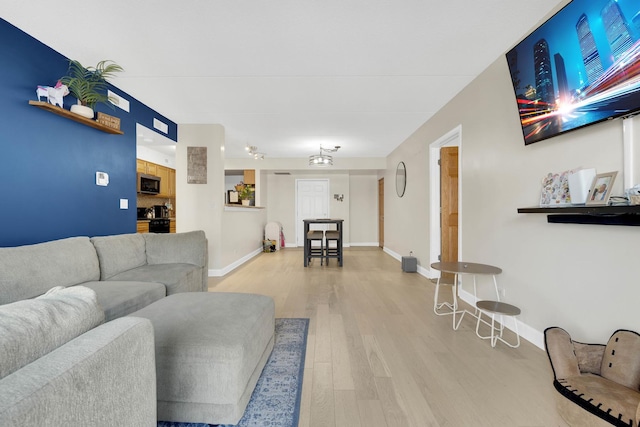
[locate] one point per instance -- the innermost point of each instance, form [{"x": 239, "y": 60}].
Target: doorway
[
  {"x": 445, "y": 245},
  {"x": 312, "y": 201}
]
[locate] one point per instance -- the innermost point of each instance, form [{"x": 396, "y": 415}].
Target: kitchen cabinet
[
  {"x": 172, "y": 183},
  {"x": 152, "y": 169},
  {"x": 249, "y": 176},
  {"x": 163, "y": 173},
  {"x": 143, "y": 227},
  {"x": 149, "y": 168},
  {"x": 167, "y": 176},
  {"x": 141, "y": 166},
  {"x": 172, "y": 226}
]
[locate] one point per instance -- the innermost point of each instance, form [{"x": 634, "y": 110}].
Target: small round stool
[{"x": 493, "y": 308}]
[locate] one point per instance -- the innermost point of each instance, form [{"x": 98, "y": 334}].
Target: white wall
[
  {"x": 358, "y": 209},
  {"x": 579, "y": 277},
  {"x": 234, "y": 236},
  {"x": 199, "y": 206},
  {"x": 363, "y": 208}
]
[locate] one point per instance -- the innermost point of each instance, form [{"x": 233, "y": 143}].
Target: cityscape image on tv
[{"x": 580, "y": 67}]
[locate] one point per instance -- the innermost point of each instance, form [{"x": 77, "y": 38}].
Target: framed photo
[
  {"x": 232, "y": 197},
  {"x": 600, "y": 190}
]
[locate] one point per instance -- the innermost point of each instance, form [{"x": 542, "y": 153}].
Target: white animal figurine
[{"x": 54, "y": 94}]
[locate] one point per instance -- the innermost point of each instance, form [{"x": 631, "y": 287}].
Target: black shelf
[{"x": 628, "y": 215}]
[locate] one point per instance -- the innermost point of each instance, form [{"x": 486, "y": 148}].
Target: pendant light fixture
[{"x": 323, "y": 160}]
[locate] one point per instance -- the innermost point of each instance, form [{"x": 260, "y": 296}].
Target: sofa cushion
[
  {"x": 176, "y": 248},
  {"x": 621, "y": 360},
  {"x": 30, "y": 270},
  {"x": 119, "y": 253},
  {"x": 32, "y": 328},
  {"x": 176, "y": 277},
  {"x": 608, "y": 400},
  {"x": 119, "y": 299}
]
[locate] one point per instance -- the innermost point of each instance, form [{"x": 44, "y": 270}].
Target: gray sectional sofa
[
  {"x": 127, "y": 271},
  {"x": 67, "y": 354}
]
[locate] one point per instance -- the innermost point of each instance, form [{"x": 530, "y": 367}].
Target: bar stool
[
  {"x": 493, "y": 308},
  {"x": 315, "y": 252},
  {"x": 333, "y": 252}
]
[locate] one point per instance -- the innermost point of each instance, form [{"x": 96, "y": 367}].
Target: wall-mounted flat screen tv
[{"x": 580, "y": 67}]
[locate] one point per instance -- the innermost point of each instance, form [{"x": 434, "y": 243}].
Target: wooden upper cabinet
[
  {"x": 167, "y": 176},
  {"x": 152, "y": 169},
  {"x": 249, "y": 176},
  {"x": 163, "y": 173},
  {"x": 172, "y": 182},
  {"x": 141, "y": 166}
]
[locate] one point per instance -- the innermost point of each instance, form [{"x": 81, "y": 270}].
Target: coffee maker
[{"x": 160, "y": 211}]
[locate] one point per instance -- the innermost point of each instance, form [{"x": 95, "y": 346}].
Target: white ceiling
[{"x": 288, "y": 75}]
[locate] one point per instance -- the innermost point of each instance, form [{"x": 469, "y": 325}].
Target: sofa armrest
[
  {"x": 559, "y": 346},
  {"x": 105, "y": 376}
]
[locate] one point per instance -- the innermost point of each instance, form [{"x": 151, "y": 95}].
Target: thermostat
[{"x": 102, "y": 179}]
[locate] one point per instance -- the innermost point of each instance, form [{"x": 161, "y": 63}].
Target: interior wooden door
[
  {"x": 381, "y": 212},
  {"x": 448, "y": 207}
]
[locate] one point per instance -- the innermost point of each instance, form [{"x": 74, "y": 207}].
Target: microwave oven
[{"x": 148, "y": 184}]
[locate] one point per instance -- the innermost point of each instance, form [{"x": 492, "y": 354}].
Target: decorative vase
[
  {"x": 246, "y": 202},
  {"x": 82, "y": 110}
]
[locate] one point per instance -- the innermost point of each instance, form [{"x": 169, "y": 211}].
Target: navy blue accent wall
[{"x": 48, "y": 163}]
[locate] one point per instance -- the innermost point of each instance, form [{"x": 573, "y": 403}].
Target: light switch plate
[{"x": 124, "y": 203}]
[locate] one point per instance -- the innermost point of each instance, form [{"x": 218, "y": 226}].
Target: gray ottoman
[{"x": 210, "y": 351}]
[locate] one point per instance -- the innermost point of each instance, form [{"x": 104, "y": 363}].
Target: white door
[{"x": 312, "y": 201}]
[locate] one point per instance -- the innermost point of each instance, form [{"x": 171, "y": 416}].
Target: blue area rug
[{"x": 275, "y": 402}]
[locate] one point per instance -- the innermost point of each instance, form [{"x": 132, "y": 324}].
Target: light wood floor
[{"x": 378, "y": 356}]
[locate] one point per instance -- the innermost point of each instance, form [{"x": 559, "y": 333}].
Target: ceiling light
[
  {"x": 323, "y": 160},
  {"x": 251, "y": 149},
  {"x": 320, "y": 160}
]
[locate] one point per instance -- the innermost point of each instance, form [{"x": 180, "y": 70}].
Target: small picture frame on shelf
[
  {"x": 600, "y": 190},
  {"x": 232, "y": 197}
]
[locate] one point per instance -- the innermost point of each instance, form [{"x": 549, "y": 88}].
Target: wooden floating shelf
[
  {"x": 75, "y": 117},
  {"x": 603, "y": 215}
]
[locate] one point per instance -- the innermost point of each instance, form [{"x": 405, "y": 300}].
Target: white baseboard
[{"x": 234, "y": 265}]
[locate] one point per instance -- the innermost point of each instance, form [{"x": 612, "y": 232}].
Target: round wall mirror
[{"x": 401, "y": 179}]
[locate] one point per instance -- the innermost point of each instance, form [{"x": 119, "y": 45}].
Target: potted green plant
[
  {"x": 89, "y": 84},
  {"x": 245, "y": 193}
]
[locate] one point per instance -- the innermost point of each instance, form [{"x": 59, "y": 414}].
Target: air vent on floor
[{"x": 282, "y": 173}]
